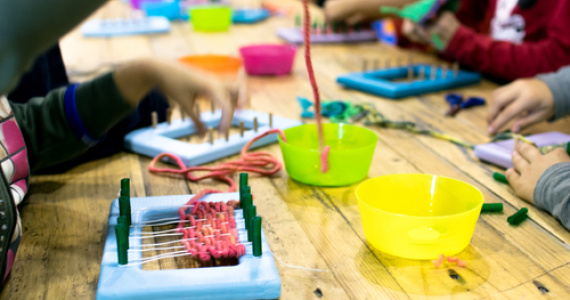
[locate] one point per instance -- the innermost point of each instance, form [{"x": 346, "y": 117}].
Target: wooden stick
[
  {"x": 211, "y": 135},
  {"x": 212, "y": 106},
  {"x": 455, "y": 69},
  {"x": 227, "y": 136},
  {"x": 169, "y": 116},
  {"x": 241, "y": 128},
  {"x": 270, "y": 120},
  {"x": 154, "y": 119},
  {"x": 255, "y": 125}
]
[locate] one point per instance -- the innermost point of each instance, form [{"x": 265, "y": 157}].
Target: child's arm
[
  {"x": 27, "y": 28},
  {"x": 542, "y": 179},
  {"x": 529, "y": 101},
  {"x": 69, "y": 120},
  {"x": 506, "y": 60}
]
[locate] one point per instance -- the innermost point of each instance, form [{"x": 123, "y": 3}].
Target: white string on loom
[{"x": 185, "y": 253}]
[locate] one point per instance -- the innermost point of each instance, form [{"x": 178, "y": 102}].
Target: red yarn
[
  {"x": 263, "y": 163},
  {"x": 307, "y": 39}
]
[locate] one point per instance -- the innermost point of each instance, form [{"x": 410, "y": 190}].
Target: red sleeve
[
  {"x": 511, "y": 61},
  {"x": 473, "y": 13}
]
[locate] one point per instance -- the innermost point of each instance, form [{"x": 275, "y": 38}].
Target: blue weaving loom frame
[
  {"x": 252, "y": 278},
  {"x": 152, "y": 142},
  {"x": 380, "y": 82}
]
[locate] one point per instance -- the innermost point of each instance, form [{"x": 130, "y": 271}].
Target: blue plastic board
[
  {"x": 152, "y": 142},
  {"x": 167, "y": 9},
  {"x": 295, "y": 36},
  {"x": 121, "y": 27},
  {"x": 252, "y": 278},
  {"x": 249, "y": 16},
  {"x": 385, "y": 82}
]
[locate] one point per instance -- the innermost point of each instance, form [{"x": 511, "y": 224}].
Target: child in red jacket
[{"x": 507, "y": 39}]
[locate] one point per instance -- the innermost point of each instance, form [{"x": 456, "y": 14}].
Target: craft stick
[
  {"x": 270, "y": 120},
  {"x": 255, "y": 125},
  {"x": 154, "y": 119}
]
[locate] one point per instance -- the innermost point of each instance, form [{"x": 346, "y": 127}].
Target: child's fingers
[
  {"x": 512, "y": 176},
  {"x": 505, "y": 115},
  {"x": 519, "y": 162},
  {"x": 528, "y": 152},
  {"x": 526, "y": 121},
  {"x": 501, "y": 98}
]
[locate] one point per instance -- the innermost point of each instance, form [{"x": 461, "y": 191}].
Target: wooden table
[{"x": 64, "y": 220}]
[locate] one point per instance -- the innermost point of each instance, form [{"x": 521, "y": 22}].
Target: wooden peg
[
  {"x": 241, "y": 128},
  {"x": 212, "y": 106},
  {"x": 227, "y": 136},
  {"x": 197, "y": 110},
  {"x": 422, "y": 73},
  {"x": 410, "y": 73},
  {"x": 154, "y": 119},
  {"x": 364, "y": 65},
  {"x": 455, "y": 69},
  {"x": 270, "y": 120},
  {"x": 211, "y": 135},
  {"x": 444, "y": 71},
  {"x": 182, "y": 113},
  {"x": 433, "y": 73},
  {"x": 255, "y": 124},
  {"x": 168, "y": 116},
  {"x": 410, "y": 58}
]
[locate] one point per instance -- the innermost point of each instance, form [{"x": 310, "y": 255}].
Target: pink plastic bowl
[{"x": 268, "y": 59}]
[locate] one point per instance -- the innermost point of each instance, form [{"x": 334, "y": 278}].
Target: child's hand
[
  {"x": 528, "y": 165},
  {"x": 527, "y": 101},
  {"x": 353, "y": 12},
  {"x": 178, "y": 83},
  {"x": 439, "y": 33}
]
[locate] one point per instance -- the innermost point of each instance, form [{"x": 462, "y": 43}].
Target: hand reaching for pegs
[{"x": 180, "y": 84}]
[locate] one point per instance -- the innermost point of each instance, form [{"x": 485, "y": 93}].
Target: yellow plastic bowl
[
  {"x": 351, "y": 150},
  {"x": 418, "y": 216},
  {"x": 210, "y": 18}
]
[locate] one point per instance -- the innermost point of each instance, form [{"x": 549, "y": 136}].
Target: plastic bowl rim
[
  {"x": 482, "y": 198},
  {"x": 317, "y": 150}
]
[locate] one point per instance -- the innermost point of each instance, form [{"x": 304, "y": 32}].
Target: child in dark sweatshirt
[{"x": 64, "y": 124}]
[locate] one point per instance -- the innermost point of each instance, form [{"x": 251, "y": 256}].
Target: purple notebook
[{"x": 499, "y": 153}]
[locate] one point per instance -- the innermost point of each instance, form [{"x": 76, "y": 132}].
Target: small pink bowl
[{"x": 268, "y": 59}]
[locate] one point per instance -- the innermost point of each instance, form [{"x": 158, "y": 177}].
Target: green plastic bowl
[
  {"x": 351, "y": 150},
  {"x": 210, "y": 18}
]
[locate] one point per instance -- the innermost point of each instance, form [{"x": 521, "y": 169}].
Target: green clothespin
[
  {"x": 492, "y": 207},
  {"x": 518, "y": 217}
]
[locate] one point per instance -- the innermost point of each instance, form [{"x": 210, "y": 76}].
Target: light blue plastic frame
[
  {"x": 252, "y": 278},
  {"x": 152, "y": 142},
  {"x": 381, "y": 82}
]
